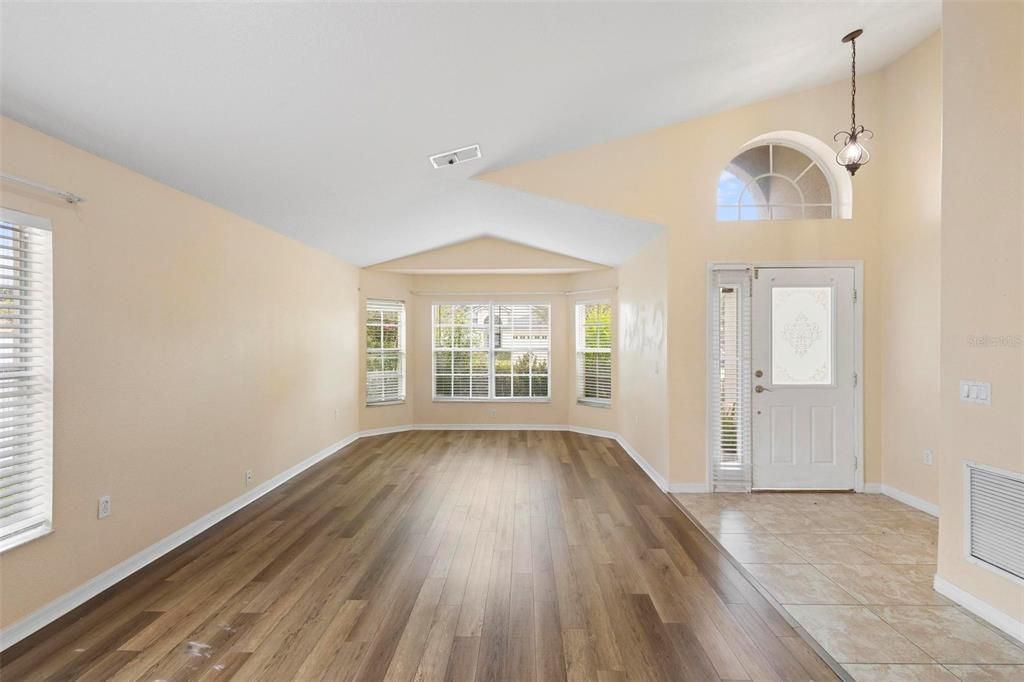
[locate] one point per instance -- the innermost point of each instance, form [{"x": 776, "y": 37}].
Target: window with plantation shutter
[
  {"x": 594, "y": 353},
  {"x": 730, "y": 380},
  {"x": 26, "y": 379},
  {"x": 385, "y": 351},
  {"x": 491, "y": 351}
]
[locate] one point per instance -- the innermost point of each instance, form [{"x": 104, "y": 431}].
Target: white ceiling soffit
[{"x": 317, "y": 120}]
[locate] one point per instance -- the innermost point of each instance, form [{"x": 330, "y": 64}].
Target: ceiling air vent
[
  {"x": 995, "y": 518},
  {"x": 456, "y": 156}
]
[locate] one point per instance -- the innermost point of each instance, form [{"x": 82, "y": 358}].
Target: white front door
[{"x": 803, "y": 364}]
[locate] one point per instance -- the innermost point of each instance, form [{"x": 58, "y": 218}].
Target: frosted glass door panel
[{"x": 802, "y": 336}]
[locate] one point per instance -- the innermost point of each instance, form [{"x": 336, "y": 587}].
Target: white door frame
[{"x": 858, "y": 352}]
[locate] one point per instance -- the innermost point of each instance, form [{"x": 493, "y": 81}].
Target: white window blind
[
  {"x": 594, "y": 353},
  {"x": 730, "y": 379},
  {"x": 385, "y": 351},
  {"x": 491, "y": 351},
  {"x": 26, "y": 382}
]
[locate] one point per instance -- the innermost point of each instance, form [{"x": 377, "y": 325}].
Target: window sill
[
  {"x": 386, "y": 403},
  {"x": 492, "y": 400},
  {"x": 595, "y": 403},
  {"x": 26, "y": 537}
]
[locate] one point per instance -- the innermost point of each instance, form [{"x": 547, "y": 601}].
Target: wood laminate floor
[{"x": 438, "y": 555}]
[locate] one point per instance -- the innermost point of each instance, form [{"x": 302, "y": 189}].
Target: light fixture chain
[{"x": 853, "y": 87}]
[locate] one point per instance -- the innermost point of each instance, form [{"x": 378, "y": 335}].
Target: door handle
[{"x": 761, "y": 389}]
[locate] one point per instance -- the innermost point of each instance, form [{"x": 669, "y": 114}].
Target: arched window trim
[{"x": 819, "y": 153}]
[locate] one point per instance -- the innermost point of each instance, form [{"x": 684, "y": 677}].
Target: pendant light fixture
[{"x": 854, "y": 154}]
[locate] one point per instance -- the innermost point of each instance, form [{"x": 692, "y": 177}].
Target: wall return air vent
[
  {"x": 994, "y": 518},
  {"x": 456, "y": 156}
]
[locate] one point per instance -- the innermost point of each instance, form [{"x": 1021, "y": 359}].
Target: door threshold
[{"x": 801, "y": 490}]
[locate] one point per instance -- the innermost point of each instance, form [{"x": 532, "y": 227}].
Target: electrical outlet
[
  {"x": 248, "y": 477},
  {"x": 493, "y": 412},
  {"x": 103, "y": 510},
  {"x": 928, "y": 459},
  {"x": 337, "y": 412}
]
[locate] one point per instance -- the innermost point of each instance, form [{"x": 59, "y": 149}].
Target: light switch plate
[{"x": 978, "y": 392}]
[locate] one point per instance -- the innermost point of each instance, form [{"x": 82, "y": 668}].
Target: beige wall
[
  {"x": 642, "y": 368},
  {"x": 181, "y": 359},
  {"x": 982, "y": 265},
  {"x": 909, "y": 278}
]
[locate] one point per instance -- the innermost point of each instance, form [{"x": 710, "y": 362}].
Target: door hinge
[
  {"x": 855, "y": 380},
  {"x": 856, "y": 463},
  {"x": 854, "y": 295},
  {"x": 755, "y": 273}
]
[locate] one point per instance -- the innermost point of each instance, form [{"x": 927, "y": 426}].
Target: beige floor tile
[
  {"x": 880, "y": 502},
  {"x": 799, "y": 584},
  {"x": 950, "y": 635},
  {"x": 882, "y": 584},
  {"x": 846, "y": 521},
  {"x": 923, "y": 576},
  {"x": 821, "y": 553},
  {"x": 821, "y": 548},
  {"x": 988, "y": 673},
  {"x": 727, "y": 521},
  {"x": 899, "y": 672},
  {"x": 896, "y": 548},
  {"x": 853, "y": 634},
  {"x": 760, "y": 549},
  {"x": 787, "y": 522}
]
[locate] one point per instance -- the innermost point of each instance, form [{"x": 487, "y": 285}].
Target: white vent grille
[
  {"x": 995, "y": 518},
  {"x": 456, "y": 156}
]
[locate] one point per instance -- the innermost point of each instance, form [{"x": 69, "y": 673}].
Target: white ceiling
[{"x": 317, "y": 119}]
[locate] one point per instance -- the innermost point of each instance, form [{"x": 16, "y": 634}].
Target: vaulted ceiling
[{"x": 316, "y": 120}]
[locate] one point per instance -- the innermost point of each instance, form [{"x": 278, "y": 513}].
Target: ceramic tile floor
[{"x": 856, "y": 572}]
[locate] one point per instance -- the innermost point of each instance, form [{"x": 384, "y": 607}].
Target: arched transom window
[{"x": 774, "y": 182}]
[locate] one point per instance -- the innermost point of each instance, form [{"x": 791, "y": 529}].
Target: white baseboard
[
  {"x": 1011, "y": 626},
  {"x": 594, "y": 432},
  {"x": 18, "y": 631},
  {"x": 489, "y": 427},
  {"x": 35, "y": 621},
  {"x": 904, "y": 497},
  {"x": 651, "y": 472},
  {"x": 687, "y": 488},
  {"x": 907, "y": 498},
  {"x": 384, "y": 430}
]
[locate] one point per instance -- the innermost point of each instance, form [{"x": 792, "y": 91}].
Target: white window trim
[
  {"x": 604, "y": 403},
  {"x": 402, "y": 352},
  {"x": 491, "y": 398},
  {"x": 20, "y": 538}
]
